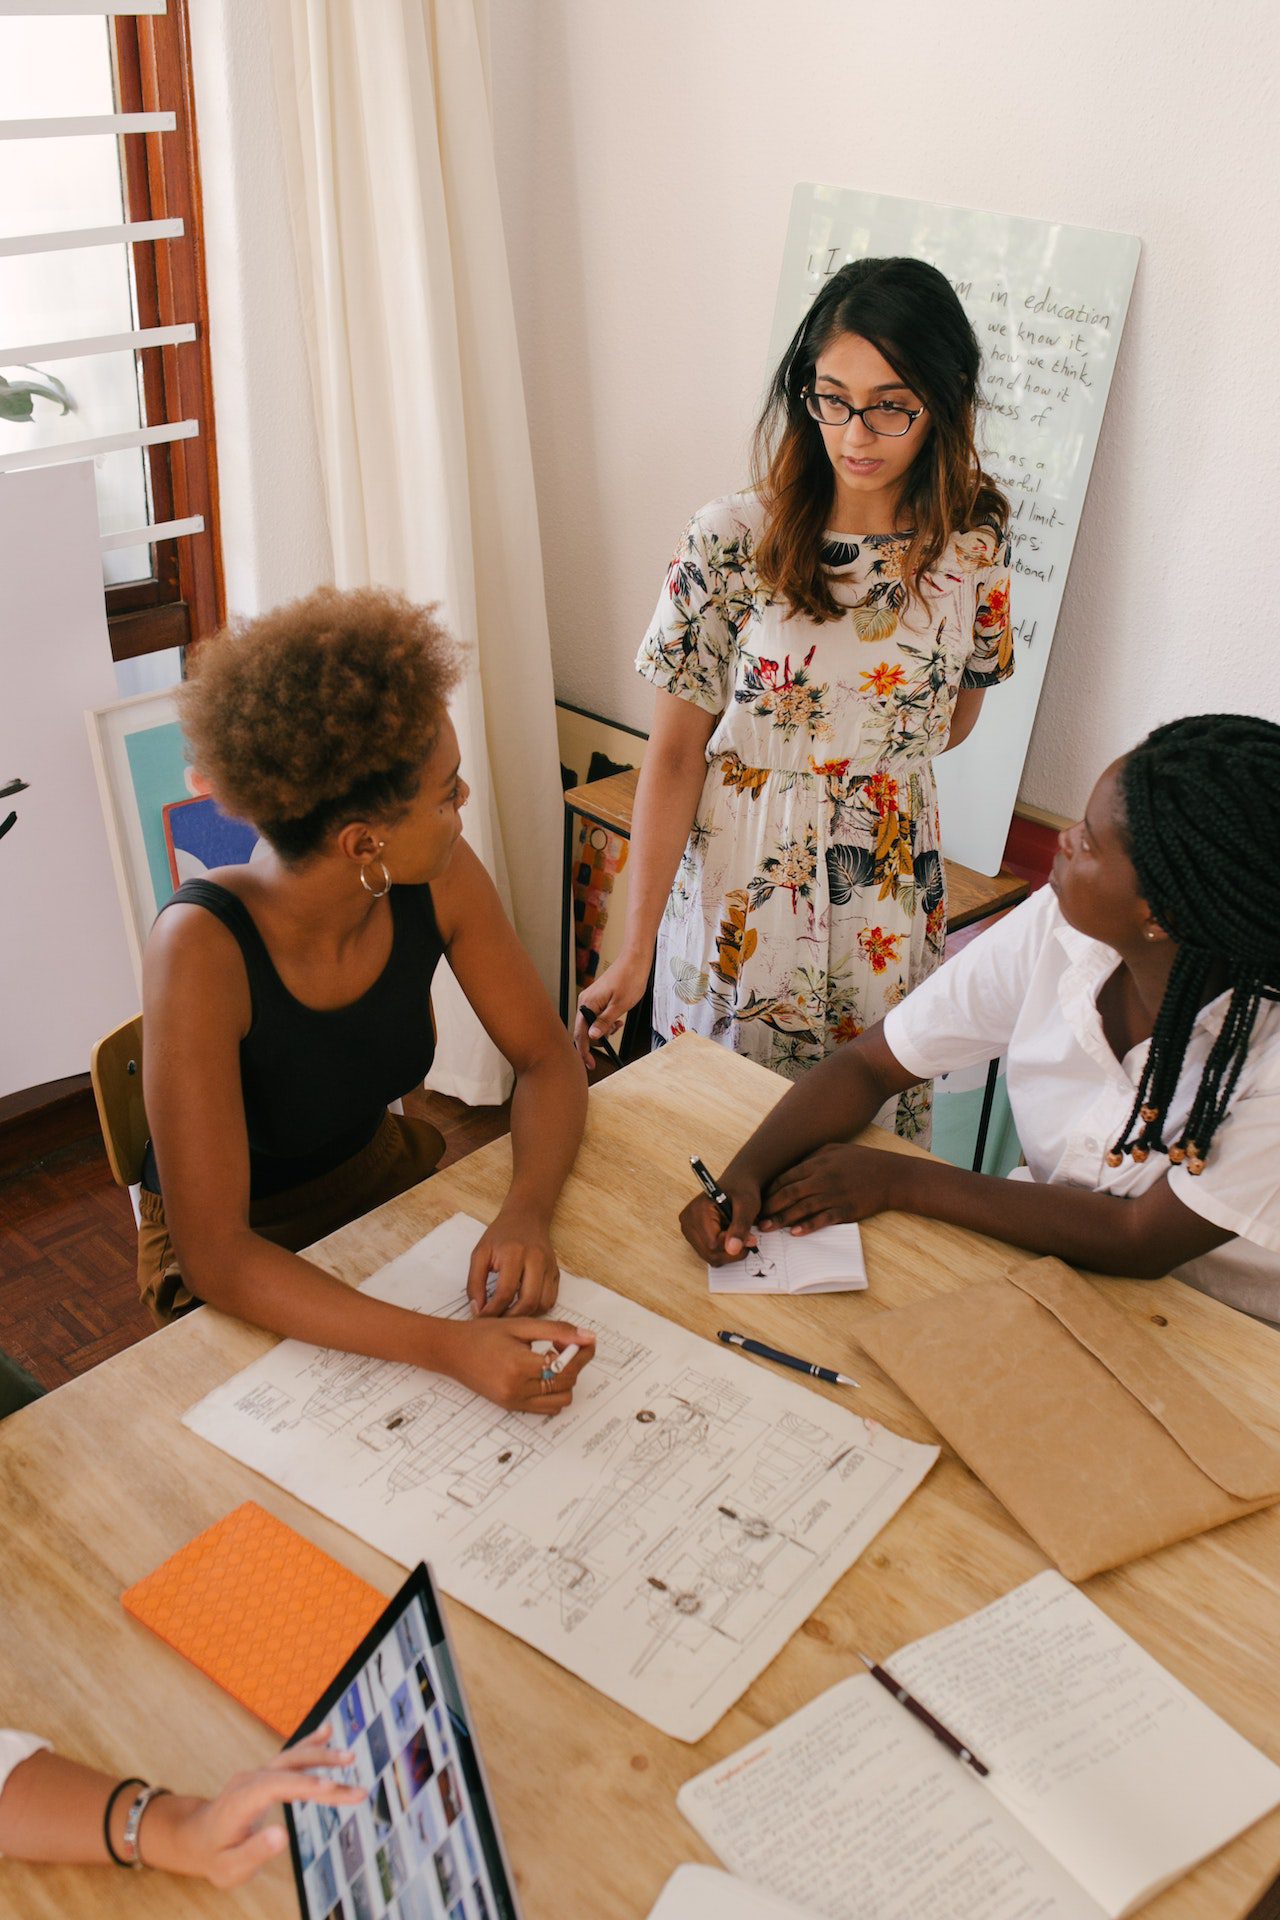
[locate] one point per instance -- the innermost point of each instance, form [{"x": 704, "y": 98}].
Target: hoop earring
[{"x": 376, "y": 892}]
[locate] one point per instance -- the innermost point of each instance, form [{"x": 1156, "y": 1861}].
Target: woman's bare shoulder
[
  {"x": 193, "y": 955},
  {"x": 462, "y": 890}
]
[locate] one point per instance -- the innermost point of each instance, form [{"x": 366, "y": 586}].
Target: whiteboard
[
  {"x": 65, "y": 977},
  {"x": 1048, "y": 305}
]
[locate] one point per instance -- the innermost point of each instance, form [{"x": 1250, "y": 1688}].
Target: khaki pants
[{"x": 401, "y": 1153}]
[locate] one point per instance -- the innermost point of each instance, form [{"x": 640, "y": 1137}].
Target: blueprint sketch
[{"x": 662, "y": 1538}]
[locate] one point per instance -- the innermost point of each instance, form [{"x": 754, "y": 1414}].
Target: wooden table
[
  {"x": 608, "y": 803},
  {"x": 99, "y": 1482}
]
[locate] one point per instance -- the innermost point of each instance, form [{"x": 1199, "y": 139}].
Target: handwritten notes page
[
  {"x": 1108, "y": 1779},
  {"x": 829, "y": 1261},
  {"x": 662, "y": 1538},
  {"x": 851, "y": 1809},
  {"x": 1111, "y": 1763},
  {"x": 1048, "y": 303}
]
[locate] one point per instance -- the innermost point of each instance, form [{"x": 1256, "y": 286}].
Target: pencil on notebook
[{"x": 922, "y": 1713}]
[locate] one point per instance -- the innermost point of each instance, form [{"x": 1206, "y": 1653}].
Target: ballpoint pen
[
  {"x": 786, "y": 1359},
  {"x": 715, "y": 1194},
  {"x": 923, "y": 1714}
]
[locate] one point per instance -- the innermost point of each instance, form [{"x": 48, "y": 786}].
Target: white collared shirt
[
  {"x": 1028, "y": 988},
  {"x": 14, "y": 1749}
]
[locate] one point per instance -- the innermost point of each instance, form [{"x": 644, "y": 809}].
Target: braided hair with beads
[{"x": 1193, "y": 886}]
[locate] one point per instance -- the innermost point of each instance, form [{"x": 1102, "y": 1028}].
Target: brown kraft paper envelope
[{"x": 1099, "y": 1444}]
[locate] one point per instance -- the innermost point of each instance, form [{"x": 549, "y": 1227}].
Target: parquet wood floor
[
  {"x": 67, "y": 1292},
  {"x": 67, "y": 1251}
]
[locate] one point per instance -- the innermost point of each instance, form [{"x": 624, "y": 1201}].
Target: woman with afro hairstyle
[
  {"x": 1135, "y": 997},
  {"x": 819, "y": 640},
  {"x": 286, "y": 1002}
]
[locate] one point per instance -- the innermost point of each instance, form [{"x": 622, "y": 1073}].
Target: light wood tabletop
[
  {"x": 100, "y": 1482},
  {"x": 608, "y": 802},
  {"x": 976, "y": 896}
]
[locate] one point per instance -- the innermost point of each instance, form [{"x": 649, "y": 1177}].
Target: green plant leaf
[
  {"x": 14, "y": 404},
  {"x": 17, "y": 396}
]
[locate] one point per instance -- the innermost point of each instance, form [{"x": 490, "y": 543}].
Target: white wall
[{"x": 647, "y": 155}]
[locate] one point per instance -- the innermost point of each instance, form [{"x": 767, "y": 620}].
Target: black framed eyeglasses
[{"x": 887, "y": 417}]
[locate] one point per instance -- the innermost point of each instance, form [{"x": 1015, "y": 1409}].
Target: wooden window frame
[{"x": 185, "y": 598}]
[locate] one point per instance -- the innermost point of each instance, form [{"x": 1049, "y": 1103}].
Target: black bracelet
[{"x": 116, "y": 1791}]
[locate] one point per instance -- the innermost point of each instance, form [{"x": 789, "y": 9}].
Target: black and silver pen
[
  {"x": 715, "y": 1194},
  {"x": 785, "y": 1359},
  {"x": 922, "y": 1713}
]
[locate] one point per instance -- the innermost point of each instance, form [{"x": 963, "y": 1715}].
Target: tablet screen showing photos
[{"x": 424, "y": 1844}]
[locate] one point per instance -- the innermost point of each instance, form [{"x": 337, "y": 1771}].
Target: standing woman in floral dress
[{"x": 819, "y": 640}]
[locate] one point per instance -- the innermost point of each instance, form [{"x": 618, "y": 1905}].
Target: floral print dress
[{"x": 811, "y": 895}]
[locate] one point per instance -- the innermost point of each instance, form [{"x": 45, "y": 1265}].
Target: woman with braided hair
[{"x": 1136, "y": 999}]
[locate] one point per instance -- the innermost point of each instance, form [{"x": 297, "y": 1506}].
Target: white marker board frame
[
  {"x": 65, "y": 977},
  {"x": 1061, "y": 294}
]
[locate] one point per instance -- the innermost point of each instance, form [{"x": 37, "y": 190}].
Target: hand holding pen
[{"x": 720, "y": 1227}]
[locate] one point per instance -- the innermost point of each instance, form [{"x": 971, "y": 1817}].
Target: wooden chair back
[{"x": 116, "y": 1072}]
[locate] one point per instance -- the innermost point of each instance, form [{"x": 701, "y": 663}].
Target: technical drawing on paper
[
  {"x": 720, "y": 1569},
  {"x": 662, "y": 1537},
  {"x": 418, "y": 1430},
  {"x": 423, "y": 1430}
]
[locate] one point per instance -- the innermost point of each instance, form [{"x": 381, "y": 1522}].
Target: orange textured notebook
[{"x": 260, "y": 1610}]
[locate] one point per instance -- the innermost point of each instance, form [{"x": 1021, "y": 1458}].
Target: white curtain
[{"x": 424, "y": 437}]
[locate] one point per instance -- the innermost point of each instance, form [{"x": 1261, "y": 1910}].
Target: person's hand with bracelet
[{"x": 53, "y": 1809}]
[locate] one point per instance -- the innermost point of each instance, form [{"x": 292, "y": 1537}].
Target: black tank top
[{"x": 317, "y": 1083}]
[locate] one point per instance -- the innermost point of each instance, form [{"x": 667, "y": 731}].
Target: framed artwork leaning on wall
[{"x": 140, "y": 763}]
